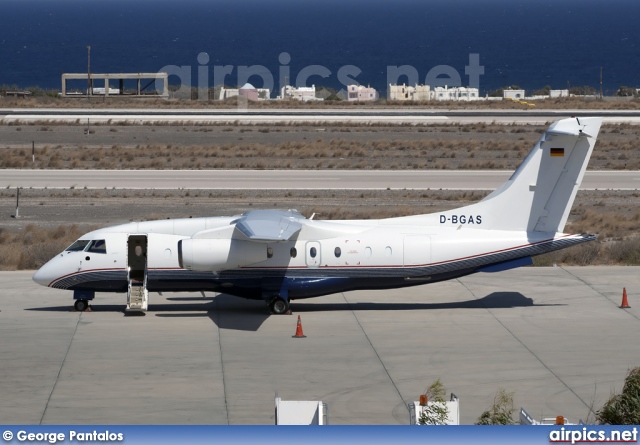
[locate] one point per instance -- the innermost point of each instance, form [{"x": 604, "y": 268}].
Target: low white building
[
  {"x": 403, "y": 92},
  {"x": 464, "y": 94},
  {"x": 226, "y": 93},
  {"x": 112, "y": 91},
  {"x": 513, "y": 94},
  {"x": 359, "y": 93},
  {"x": 247, "y": 90},
  {"x": 558, "y": 93},
  {"x": 304, "y": 94}
]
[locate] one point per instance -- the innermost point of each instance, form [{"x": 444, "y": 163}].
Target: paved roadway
[
  {"x": 291, "y": 179},
  {"x": 554, "y": 336},
  {"x": 288, "y": 116}
]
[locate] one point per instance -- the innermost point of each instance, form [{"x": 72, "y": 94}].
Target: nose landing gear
[
  {"x": 81, "y": 305},
  {"x": 82, "y": 298}
]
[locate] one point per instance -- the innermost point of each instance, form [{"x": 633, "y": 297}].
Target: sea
[{"x": 489, "y": 44}]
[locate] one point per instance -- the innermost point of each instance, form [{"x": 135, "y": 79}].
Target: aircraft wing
[
  {"x": 265, "y": 226},
  {"x": 270, "y": 225}
]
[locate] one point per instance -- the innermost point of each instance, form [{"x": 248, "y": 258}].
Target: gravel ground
[
  {"x": 51, "y": 208},
  {"x": 433, "y": 146}
]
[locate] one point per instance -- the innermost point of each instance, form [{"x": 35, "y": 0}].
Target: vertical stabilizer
[{"x": 540, "y": 193}]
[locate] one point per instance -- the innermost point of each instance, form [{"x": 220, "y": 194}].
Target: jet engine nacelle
[{"x": 219, "y": 254}]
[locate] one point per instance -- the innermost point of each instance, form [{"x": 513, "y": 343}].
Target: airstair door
[{"x": 137, "y": 294}]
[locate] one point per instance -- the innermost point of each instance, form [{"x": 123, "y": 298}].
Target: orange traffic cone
[
  {"x": 299, "y": 333},
  {"x": 625, "y": 303}
]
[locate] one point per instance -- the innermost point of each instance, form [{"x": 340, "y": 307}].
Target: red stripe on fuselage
[
  {"x": 81, "y": 272},
  {"x": 335, "y": 267}
]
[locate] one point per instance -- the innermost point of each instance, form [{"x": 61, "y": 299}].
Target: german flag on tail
[{"x": 557, "y": 152}]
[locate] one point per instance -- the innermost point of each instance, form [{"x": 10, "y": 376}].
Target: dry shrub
[
  {"x": 33, "y": 246},
  {"x": 580, "y": 255},
  {"x": 621, "y": 252},
  {"x": 34, "y": 256},
  {"x": 625, "y": 252}
]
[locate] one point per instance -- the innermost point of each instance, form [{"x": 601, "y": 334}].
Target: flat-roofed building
[
  {"x": 289, "y": 92},
  {"x": 226, "y": 93},
  {"x": 513, "y": 94},
  {"x": 464, "y": 94},
  {"x": 558, "y": 93},
  {"x": 359, "y": 93},
  {"x": 138, "y": 84},
  {"x": 404, "y": 92},
  {"x": 247, "y": 90}
]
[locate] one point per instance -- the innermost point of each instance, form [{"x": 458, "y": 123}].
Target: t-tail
[{"x": 539, "y": 195}]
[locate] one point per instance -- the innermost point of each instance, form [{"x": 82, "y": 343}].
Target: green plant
[
  {"x": 501, "y": 412},
  {"x": 435, "y": 412},
  {"x": 544, "y": 91},
  {"x": 582, "y": 91},
  {"x": 623, "y": 408}
]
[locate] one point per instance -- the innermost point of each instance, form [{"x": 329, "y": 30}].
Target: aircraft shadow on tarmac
[
  {"x": 233, "y": 313},
  {"x": 495, "y": 300}
]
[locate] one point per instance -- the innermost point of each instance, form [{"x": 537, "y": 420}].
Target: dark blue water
[{"x": 531, "y": 43}]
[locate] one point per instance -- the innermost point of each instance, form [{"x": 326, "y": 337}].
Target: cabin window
[
  {"x": 337, "y": 252},
  {"x": 313, "y": 252},
  {"x": 293, "y": 252},
  {"x": 98, "y": 246},
  {"x": 78, "y": 245},
  {"x": 269, "y": 252}
]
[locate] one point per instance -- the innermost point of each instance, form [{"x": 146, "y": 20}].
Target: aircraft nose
[{"x": 45, "y": 275}]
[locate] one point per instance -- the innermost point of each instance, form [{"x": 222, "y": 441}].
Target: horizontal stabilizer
[
  {"x": 507, "y": 265},
  {"x": 569, "y": 127}
]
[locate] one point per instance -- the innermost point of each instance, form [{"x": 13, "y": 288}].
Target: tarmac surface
[
  {"x": 293, "y": 179},
  {"x": 555, "y": 336}
]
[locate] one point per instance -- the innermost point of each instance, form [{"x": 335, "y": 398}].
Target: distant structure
[
  {"x": 558, "y": 93},
  {"x": 462, "y": 94},
  {"x": 359, "y": 93},
  {"x": 551, "y": 94},
  {"x": 513, "y": 94},
  {"x": 97, "y": 91},
  {"x": 305, "y": 94},
  {"x": 143, "y": 81},
  {"x": 247, "y": 90},
  {"x": 23, "y": 94},
  {"x": 406, "y": 93},
  {"x": 226, "y": 93}
]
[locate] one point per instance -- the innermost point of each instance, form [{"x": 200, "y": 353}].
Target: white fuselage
[
  {"x": 281, "y": 255},
  {"x": 359, "y": 254}
]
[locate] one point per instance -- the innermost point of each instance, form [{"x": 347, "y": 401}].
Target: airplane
[{"x": 279, "y": 255}]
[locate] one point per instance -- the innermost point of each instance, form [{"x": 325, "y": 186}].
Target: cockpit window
[
  {"x": 78, "y": 245},
  {"x": 98, "y": 246}
]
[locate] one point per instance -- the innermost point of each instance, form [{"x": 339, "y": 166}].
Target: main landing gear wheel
[
  {"x": 279, "y": 306},
  {"x": 81, "y": 305}
]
